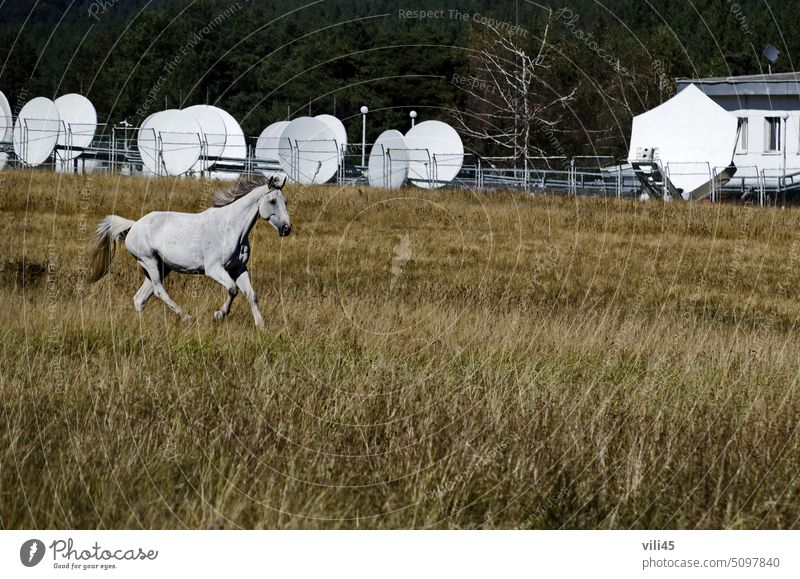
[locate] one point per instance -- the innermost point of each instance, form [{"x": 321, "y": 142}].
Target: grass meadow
[{"x": 432, "y": 359}]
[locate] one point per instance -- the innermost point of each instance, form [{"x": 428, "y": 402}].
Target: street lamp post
[{"x": 364, "y": 111}]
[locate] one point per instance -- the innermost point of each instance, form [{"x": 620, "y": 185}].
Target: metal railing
[{"x": 115, "y": 149}]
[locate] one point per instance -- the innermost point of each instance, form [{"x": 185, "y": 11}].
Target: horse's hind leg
[
  {"x": 220, "y": 275},
  {"x": 143, "y": 295},
  {"x": 153, "y": 269}
]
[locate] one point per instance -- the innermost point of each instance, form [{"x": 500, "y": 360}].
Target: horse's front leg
[
  {"x": 221, "y": 276},
  {"x": 243, "y": 281}
]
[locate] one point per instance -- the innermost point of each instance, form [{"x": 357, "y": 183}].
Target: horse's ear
[{"x": 277, "y": 181}]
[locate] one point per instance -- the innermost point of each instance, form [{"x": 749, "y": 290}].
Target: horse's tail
[{"x": 110, "y": 230}]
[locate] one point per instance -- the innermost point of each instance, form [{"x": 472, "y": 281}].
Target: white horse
[{"x": 214, "y": 242}]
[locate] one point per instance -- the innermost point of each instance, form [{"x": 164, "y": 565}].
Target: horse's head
[{"x": 272, "y": 206}]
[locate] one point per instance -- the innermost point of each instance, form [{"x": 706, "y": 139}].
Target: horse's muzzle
[{"x": 285, "y": 230}]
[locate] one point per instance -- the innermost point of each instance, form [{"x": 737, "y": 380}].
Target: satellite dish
[
  {"x": 770, "y": 53},
  {"x": 269, "y": 141},
  {"x": 308, "y": 152},
  {"x": 146, "y": 143},
  {"x": 691, "y": 134},
  {"x": 181, "y": 142},
  {"x": 170, "y": 142},
  {"x": 6, "y": 120},
  {"x": 235, "y": 144},
  {"x": 388, "y": 161},
  {"x": 78, "y": 125},
  {"x": 36, "y": 131},
  {"x": 214, "y": 134},
  {"x": 235, "y": 147},
  {"x": 338, "y": 129},
  {"x": 435, "y": 154}
]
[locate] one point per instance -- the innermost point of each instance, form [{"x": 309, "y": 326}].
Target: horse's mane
[{"x": 240, "y": 188}]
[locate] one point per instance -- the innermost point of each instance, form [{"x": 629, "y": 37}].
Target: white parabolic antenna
[
  {"x": 78, "y": 125},
  {"x": 388, "y": 161},
  {"x": 235, "y": 144},
  {"x": 691, "y": 134},
  {"x": 269, "y": 141},
  {"x": 435, "y": 154},
  {"x": 335, "y": 125},
  {"x": 147, "y": 141},
  {"x": 36, "y": 131},
  {"x": 214, "y": 134},
  {"x": 169, "y": 142},
  {"x": 308, "y": 152},
  {"x": 6, "y": 126}
]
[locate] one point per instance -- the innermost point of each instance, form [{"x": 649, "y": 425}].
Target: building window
[
  {"x": 772, "y": 134},
  {"x": 742, "y": 135}
]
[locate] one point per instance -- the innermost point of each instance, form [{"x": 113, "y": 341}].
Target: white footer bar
[{"x": 400, "y": 554}]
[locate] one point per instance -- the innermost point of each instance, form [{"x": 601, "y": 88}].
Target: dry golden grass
[{"x": 432, "y": 359}]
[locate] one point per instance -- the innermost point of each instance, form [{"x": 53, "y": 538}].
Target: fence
[{"x": 115, "y": 149}]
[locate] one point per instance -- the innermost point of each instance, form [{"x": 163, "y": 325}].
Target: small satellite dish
[
  {"x": 388, "y": 161},
  {"x": 308, "y": 152},
  {"x": 770, "y": 53},
  {"x": 214, "y": 134},
  {"x": 36, "y": 131},
  {"x": 269, "y": 142},
  {"x": 338, "y": 129},
  {"x": 78, "y": 125},
  {"x": 170, "y": 142},
  {"x": 6, "y": 120},
  {"x": 435, "y": 154}
]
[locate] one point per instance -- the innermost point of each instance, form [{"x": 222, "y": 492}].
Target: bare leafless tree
[{"x": 513, "y": 101}]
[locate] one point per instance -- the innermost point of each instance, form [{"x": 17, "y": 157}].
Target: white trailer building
[
  {"x": 767, "y": 107},
  {"x": 738, "y": 132}
]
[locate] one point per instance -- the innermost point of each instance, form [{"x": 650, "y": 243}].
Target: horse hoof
[{"x": 218, "y": 316}]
